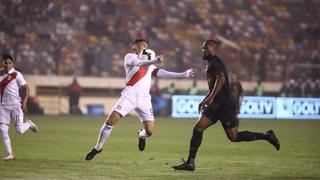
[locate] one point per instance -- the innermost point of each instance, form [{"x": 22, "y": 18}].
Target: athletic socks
[
  {"x": 143, "y": 134},
  {"x": 4, "y": 128},
  {"x": 250, "y": 136},
  {"x": 195, "y": 143},
  {"x": 23, "y": 127},
  {"x": 105, "y": 132}
]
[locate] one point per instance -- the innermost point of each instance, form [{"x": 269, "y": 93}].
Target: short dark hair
[
  {"x": 136, "y": 41},
  {"x": 215, "y": 42},
  {"x": 7, "y": 56}
]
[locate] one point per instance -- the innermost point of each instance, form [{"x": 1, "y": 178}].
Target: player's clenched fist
[
  {"x": 160, "y": 58},
  {"x": 191, "y": 72}
]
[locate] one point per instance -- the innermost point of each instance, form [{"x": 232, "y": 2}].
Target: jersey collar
[{"x": 10, "y": 71}]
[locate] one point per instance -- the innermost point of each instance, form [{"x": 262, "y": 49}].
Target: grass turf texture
[{"x": 58, "y": 151}]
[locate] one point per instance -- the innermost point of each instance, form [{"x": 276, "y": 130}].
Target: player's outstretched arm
[
  {"x": 167, "y": 74},
  {"x": 141, "y": 63}
]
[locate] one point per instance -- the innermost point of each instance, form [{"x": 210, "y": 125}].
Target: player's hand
[
  {"x": 24, "y": 107},
  {"x": 200, "y": 108},
  {"x": 206, "y": 103},
  {"x": 160, "y": 58},
  {"x": 191, "y": 72}
]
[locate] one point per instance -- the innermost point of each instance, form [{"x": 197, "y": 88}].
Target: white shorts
[
  {"x": 140, "y": 102},
  {"x": 15, "y": 114}
]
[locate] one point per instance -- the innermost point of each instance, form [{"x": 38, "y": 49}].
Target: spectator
[
  {"x": 285, "y": 88},
  {"x": 34, "y": 106},
  {"x": 193, "y": 90},
  {"x": 317, "y": 88},
  {"x": 259, "y": 90},
  {"x": 168, "y": 92},
  {"x": 236, "y": 89},
  {"x": 158, "y": 103},
  {"x": 257, "y": 46},
  {"x": 74, "y": 93}
]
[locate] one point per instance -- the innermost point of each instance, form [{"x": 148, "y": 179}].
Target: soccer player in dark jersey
[
  {"x": 219, "y": 105},
  {"x": 236, "y": 89}
]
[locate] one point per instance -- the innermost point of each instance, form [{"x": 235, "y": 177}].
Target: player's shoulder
[
  {"x": 130, "y": 56},
  {"x": 16, "y": 71},
  {"x": 18, "y": 74}
]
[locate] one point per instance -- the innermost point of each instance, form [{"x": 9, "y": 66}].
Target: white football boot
[
  {"x": 33, "y": 127},
  {"x": 9, "y": 157}
]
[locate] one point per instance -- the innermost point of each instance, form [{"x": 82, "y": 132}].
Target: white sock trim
[
  {"x": 143, "y": 134},
  {"x": 104, "y": 134}
]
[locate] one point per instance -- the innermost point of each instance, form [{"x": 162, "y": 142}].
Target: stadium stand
[
  {"x": 276, "y": 42},
  {"x": 78, "y": 37}
]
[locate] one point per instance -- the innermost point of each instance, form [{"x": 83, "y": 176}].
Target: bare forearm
[{"x": 26, "y": 94}]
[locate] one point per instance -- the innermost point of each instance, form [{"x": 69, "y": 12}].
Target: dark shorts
[{"x": 226, "y": 114}]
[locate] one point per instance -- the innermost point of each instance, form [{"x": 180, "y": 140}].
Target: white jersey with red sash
[
  {"x": 136, "y": 96},
  {"x": 9, "y": 88},
  {"x": 138, "y": 78}
]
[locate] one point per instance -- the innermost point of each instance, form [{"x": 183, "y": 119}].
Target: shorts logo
[{"x": 118, "y": 107}]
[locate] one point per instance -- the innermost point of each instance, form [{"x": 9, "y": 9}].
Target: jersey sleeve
[
  {"x": 129, "y": 59},
  {"x": 20, "y": 79},
  {"x": 217, "y": 68},
  {"x": 154, "y": 70}
]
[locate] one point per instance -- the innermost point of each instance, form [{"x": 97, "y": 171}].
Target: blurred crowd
[
  {"x": 265, "y": 40},
  {"x": 301, "y": 88}
]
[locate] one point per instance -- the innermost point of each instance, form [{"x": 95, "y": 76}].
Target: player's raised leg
[
  {"x": 104, "y": 134},
  {"x": 21, "y": 126},
  {"x": 235, "y": 136}
]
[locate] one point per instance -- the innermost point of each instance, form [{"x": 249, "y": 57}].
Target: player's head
[
  {"x": 7, "y": 62},
  {"x": 209, "y": 48},
  {"x": 233, "y": 77},
  {"x": 139, "y": 45}
]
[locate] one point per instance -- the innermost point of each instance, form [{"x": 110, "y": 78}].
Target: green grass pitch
[{"x": 58, "y": 151}]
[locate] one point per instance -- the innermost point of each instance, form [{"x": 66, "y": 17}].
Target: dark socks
[
  {"x": 194, "y": 145},
  {"x": 250, "y": 136}
]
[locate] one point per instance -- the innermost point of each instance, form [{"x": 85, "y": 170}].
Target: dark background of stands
[{"x": 279, "y": 40}]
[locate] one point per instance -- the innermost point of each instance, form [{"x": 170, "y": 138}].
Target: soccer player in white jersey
[
  {"x": 11, "y": 108},
  {"x": 135, "y": 96}
]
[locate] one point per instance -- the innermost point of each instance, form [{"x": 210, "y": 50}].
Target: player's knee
[
  {"x": 113, "y": 118},
  {"x": 197, "y": 128},
  {"x": 111, "y": 121},
  {"x": 4, "y": 132}
]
